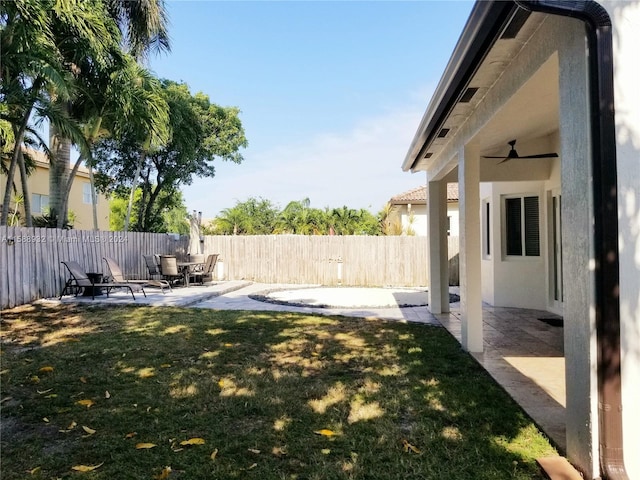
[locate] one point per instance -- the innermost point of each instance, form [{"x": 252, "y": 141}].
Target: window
[
  {"x": 86, "y": 194},
  {"x": 522, "y": 219},
  {"x": 486, "y": 229},
  {"x": 39, "y": 203}
]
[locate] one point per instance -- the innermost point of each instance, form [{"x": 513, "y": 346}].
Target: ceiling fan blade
[
  {"x": 501, "y": 156},
  {"x": 541, "y": 155}
]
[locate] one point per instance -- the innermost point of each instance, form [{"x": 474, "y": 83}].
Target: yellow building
[{"x": 80, "y": 202}]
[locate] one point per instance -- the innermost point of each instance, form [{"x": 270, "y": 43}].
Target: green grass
[{"x": 255, "y": 386}]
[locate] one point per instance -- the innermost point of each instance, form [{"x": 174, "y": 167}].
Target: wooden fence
[{"x": 30, "y": 258}]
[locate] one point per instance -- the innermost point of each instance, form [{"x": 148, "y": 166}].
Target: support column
[
  {"x": 438, "y": 247},
  {"x": 470, "y": 250}
]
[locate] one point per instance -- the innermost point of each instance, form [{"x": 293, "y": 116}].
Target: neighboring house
[
  {"x": 558, "y": 233},
  {"x": 80, "y": 202},
  {"x": 411, "y": 207}
]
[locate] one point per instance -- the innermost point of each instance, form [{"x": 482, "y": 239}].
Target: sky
[{"x": 330, "y": 92}]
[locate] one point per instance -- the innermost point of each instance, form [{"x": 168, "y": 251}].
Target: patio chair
[
  {"x": 153, "y": 266},
  {"x": 208, "y": 269},
  {"x": 80, "y": 280},
  {"x": 119, "y": 277},
  {"x": 169, "y": 269}
]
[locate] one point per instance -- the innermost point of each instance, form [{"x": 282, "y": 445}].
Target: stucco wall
[
  {"x": 577, "y": 208},
  {"x": 419, "y": 222},
  {"x": 39, "y": 184},
  {"x": 626, "y": 21}
]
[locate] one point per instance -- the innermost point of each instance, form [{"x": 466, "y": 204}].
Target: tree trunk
[
  {"x": 17, "y": 150},
  {"x": 69, "y": 184},
  {"x": 134, "y": 184},
  {"x": 94, "y": 198},
  {"x": 59, "y": 175},
  {"x": 149, "y": 207},
  {"x": 26, "y": 198}
]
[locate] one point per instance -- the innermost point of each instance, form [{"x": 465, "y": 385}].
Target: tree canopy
[
  {"x": 200, "y": 132},
  {"x": 261, "y": 217}
]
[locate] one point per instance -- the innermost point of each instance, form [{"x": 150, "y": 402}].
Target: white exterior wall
[
  {"x": 420, "y": 220},
  {"x": 487, "y": 261},
  {"x": 625, "y": 17},
  {"x": 510, "y": 281},
  {"x": 453, "y": 212},
  {"x": 578, "y": 248}
]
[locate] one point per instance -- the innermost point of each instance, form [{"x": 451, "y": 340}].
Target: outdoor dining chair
[
  {"x": 117, "y": 276},
  {"x": 80, "y": 280},
  {"x": 207, "y": 270},
  {"x": 169, "y": 269}
]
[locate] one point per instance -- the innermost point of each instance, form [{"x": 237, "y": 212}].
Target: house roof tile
[{"x": 418, "y": 195}]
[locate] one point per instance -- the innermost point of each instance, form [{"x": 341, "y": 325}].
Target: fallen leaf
[
  {"x": 131, "y": 435},
  {"x": 35, "y": 379},
  {"x": 141, "y": 446},
  {"x": 254, "y": 450},
  {"x": 45, "y": 419},
  {"x": 44, "y": 391},
  {"x": 164, "y": 474},
  {"x": 214, "y": 454},
  {"x": 278, "y": 451},
  {"x": 71, "y": 426},
  {"x": 325, "y": 432},
  {"x": 228, "y": 344},
  {"x": 33, "y": 471},
  {"x": 86, "y": 402},
  {"x": 326, "y": 451},
  {"x": 90, "y": 431},
  {"x": 408, "y": 447},
  {"x": 51, "y": 395},
  {"x": 107, "y": 394},
  {"x": 221, "y": 383},
  {"x": 193, "y": 441},
  {"x": 86, "y": 468},
  {"x": 165, "y": 365},
  {"x": 46, "y": 369},
  {"x": 254, "y": 465},
  {"x": 83, "y": 380}
]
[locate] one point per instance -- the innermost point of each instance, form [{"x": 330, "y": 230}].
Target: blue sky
[{"x": 330, "y": 93}]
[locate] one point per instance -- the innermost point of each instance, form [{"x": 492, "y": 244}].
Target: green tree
[
  {"x": 252, "y": 217},
  {"x": 91, "y": 50},
  {"x": 201, "y": 132},
  {"x": 170, "y": 216},
  {"x": 30, "y": 68}
]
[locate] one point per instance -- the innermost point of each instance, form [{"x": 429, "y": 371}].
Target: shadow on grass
[{"x": 257, "y": 387}]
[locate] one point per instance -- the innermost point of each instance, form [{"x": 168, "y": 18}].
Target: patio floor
[
  {"x": 521, "y": 352},
  {"x": 524, "y": 354}
]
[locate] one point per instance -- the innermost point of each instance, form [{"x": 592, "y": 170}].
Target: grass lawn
[{"x": 234, "y": 394}]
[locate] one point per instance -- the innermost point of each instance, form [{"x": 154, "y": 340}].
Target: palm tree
[
  {"x": 232, "y": 221},
  {"x": 143, "y": 25},
  {"x": 128, "y": 101},
  {"x": 139, "y": 26},
  {"x": 30, "y": 67}
]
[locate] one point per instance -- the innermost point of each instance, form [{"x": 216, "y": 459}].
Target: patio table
[
  {"x": 186, "y": 268},
  {"x": 96, "y": 278}
]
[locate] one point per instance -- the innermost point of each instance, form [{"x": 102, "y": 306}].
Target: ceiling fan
[{"x": 513, "y": 154}]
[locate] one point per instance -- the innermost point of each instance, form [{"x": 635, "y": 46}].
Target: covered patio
[{"x": 523, "y": 352}]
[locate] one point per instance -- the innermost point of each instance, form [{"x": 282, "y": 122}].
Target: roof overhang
[{"x": 493, "y": 34}]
